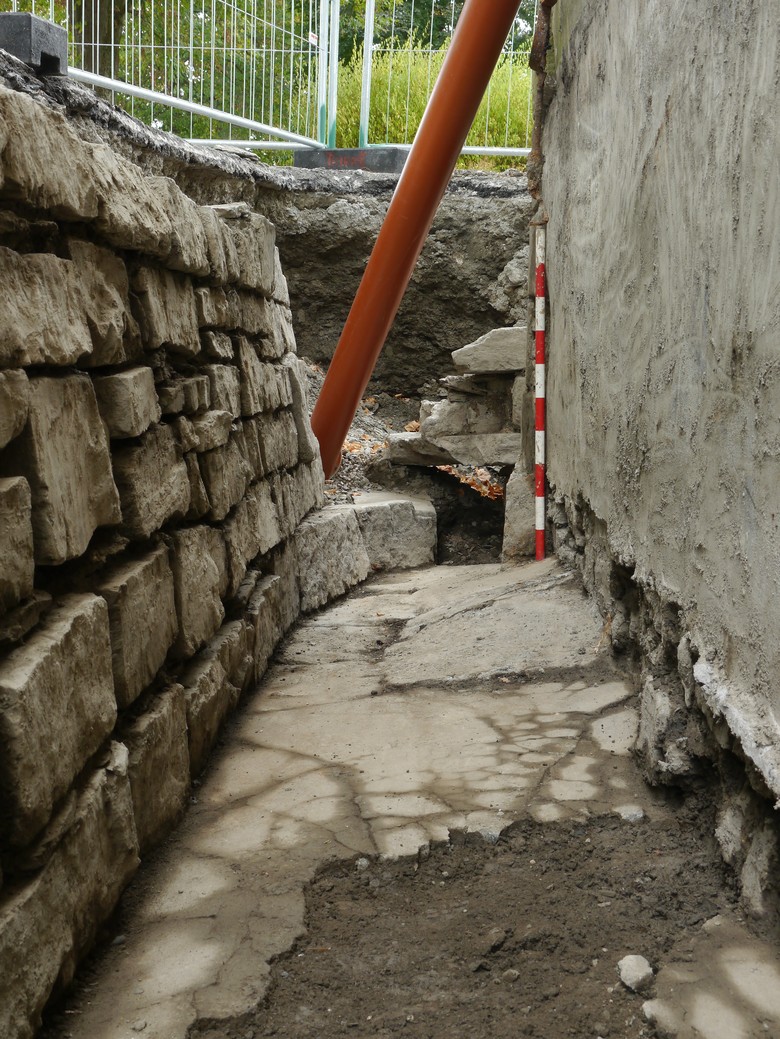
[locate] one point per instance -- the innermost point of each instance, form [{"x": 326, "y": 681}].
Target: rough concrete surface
[
  {"x": 663, "y": 383},
  {"x": 342, "y": 754}
]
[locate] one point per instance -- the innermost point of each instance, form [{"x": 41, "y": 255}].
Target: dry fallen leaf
[{"x": 412, "y": 427}]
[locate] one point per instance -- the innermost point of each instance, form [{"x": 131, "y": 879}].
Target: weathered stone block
[
  {"x": 142, "y": 621},
  {"x": 225, "y": 387},
  {"x": 14, "y": 405},
  {"x": 280, "y": 291},
  {"x": 31, "y": 135},
  {"x": 284, "y": 564},
  {"x": 278, "y": 440},
  {"x": 216, "y": 308},
  {"x": 226, "y": 476},
  {"x": 189, "y": 249},
  {"x": 251, "y": 530},
  {"x": 47, "y": 924},
  {"x": 247, "y": 436},
  {"x": 331, "y": 556},
  {"x": 166, "y": 311},
  {"x": 213, "y": 234},
  {"x": 263, "y": 613},
  {"x": 519, "y": 516},
  {"x": 412, "y": 449},
  {"x": 308, "y": 447},
  {"x": 153, "y": 483},
  {"x": 500, "y": 350},
  {"x": 199, "y": 580},
  {"x": 254, "y": 391},
  {"x": 398, "y": 532},
  {"x": 212, "y": 430},
  {"x": 132, "y": 215},
  {"x": 103, "y": 286},
  {"x": 159, "y": 766},
  {"x": 189, "y": 395},
  {"x": 212, "y": 686},
  {"x": 217, "y": 345},
  {"x": 16, "y": 542},
  {"x": 254, "y": 238},
  {"x": 472, "y": 415},
  {"x": 199, "y": 501},
  {"x": 56, "y": 707},
  {"x": 39, "y": 299},
  {"x": 63, "y": 454},
  {"x": 127, "y": 401},
  {"x": 519, "y": 394},
  {"x": 503, "y": 448}
]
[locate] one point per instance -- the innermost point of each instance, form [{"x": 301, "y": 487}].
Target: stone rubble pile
[
  {"x": 156, "y": 468},
  {"x": 479, "y": 422}
]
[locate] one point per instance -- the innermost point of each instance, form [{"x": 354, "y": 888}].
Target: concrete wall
[
  {"x": 661, "y": 183},
  {"x": 156, "y": 466}
]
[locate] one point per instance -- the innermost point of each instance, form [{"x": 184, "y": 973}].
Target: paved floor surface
[{"x": 453, "y": 697}]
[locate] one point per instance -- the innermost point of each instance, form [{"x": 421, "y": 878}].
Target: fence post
[
  {"x": 322, "y": 74},
  {"x": 333, "y": 71},
  {"x": 365, "y": 90}
]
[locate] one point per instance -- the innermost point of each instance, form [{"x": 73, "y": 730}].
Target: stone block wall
[{"x": 156, "y": 462}]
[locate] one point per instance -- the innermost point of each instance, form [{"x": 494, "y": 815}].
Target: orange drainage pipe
[{"x": 473, "y": 53}]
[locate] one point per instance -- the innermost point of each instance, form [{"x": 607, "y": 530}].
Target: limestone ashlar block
[
  {"x": 251, "y": 530},
  {"x": 254, "y": 238},
  {"x": 142, "y": 621},
  {"x": 213, "y": 234},
  {"x": 56, "y": 708},
  {"x": 189, "y": 249},
  {"x": 166, "y": 311},
  {"x": 190, "y": 395},
  {"x": 132, "y": 215},
  {"x": 42, "y": 318},
  {"x": 399, "y": 533},
  {"x": 226, "y": 476},
  {"x": 199, "y": 581},
  {"x": 159, "y": 766},
  {"x": 225, "y": 387},
  {"x": 471, "y": 415},
  {"x": 284, "y": 565},
  {"x": 14, "y": 404},
  {"x": 519, "y": 516},
  {"x": 504, "y": 448},
  {"x": 199, "y": 501},
  {"x": 263, "y": 613},
  {"x": 153, "y": 482},
  {"x": 278, "y": 440},
  {"x": 254, "y": 391},
  {"x": 500, "y": 350},
  {"x": 30, "y": 136},
  {"x": 247, "y": 435},
  {"x": 269, "y": 322},
  {"x": 331, "y": 556},
  {"x": 217, "y": 308},
  {"x": 280, "y": 293},
  {"x": 127, "y": 401},
  {"x": 104, "y": 288},
  {"x": 16, "y": 543},
  {"x": 308, "y": 447},
  {"x": 50, "y": 921},
  {"x": 211, "y": 429},
  {"x": 217, "y": 346},
  {"x": 212, "y": 686},
  {"x": 63, "y": 454}
]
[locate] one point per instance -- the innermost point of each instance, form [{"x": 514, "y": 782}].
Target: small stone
[
  {"x": 494, "y": 939},
  {"x": 662, "y": 1017},
  {"x": 511, "y": 974},
  {"x": 362, "y": 865},
  {"x": 635, "y": 973}
]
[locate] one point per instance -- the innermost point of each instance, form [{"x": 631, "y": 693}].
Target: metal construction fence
[{"x": 285, "y": 74}]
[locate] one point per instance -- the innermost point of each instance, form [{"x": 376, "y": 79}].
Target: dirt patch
[{"x": 520, "y": 938}]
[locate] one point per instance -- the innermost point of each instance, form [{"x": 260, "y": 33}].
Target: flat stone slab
[
  {"x": 500, "y": 350},
  {"x": 347, "y": 751}
]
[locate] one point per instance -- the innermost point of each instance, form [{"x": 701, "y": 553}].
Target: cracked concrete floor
[{"x": 447, "y": 698}]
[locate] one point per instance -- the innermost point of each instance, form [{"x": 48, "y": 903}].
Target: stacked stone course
[{"x": 156, "y": 462}]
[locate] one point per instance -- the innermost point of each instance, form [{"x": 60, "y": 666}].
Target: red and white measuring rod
[{"x": 540, "y": 458}]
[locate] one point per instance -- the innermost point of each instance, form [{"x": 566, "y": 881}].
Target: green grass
[{"x": 400, "y": 85}]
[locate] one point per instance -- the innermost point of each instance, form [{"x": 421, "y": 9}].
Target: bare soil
[{"x": 520, "y": 938}]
